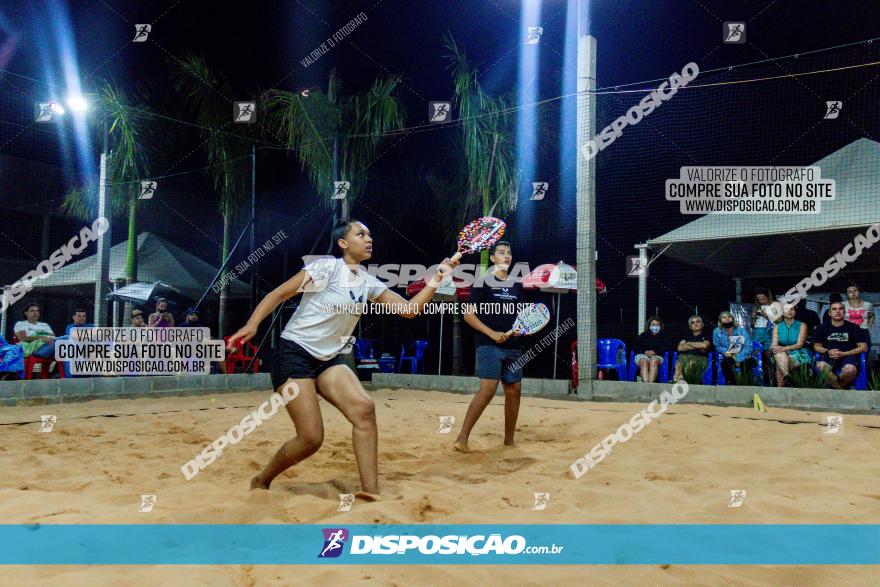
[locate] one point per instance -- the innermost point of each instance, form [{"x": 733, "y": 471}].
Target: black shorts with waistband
[{"x": 295, "y": 362}]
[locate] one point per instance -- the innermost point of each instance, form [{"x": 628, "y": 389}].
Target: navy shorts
[
  {"x": 494, "y": 362},
  {"x": 294, "y": 362},
  {"x": 837, "y": 365}
]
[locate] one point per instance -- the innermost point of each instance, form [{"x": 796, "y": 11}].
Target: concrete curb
[
  {"x": 821, "y": 400},
  {"x": 52, "y": 391}
]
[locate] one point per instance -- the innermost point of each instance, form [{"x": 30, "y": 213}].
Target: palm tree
[
  {"x": 486, "y": 153},
  {"x": 127, "y": 165},
  {"x": 487, "y": 128},
  {"x": 203, "y": 90},
  {"x": 310, "y": 121}
]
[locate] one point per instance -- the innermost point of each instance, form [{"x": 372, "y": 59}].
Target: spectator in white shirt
[{"x": 31, "y": 331}]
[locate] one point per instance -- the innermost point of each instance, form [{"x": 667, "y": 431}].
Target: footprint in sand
[
  {"x": 465, "y": 479},
  {"x": 513, "y": 465},
  {"x": 426, "y": 510}
]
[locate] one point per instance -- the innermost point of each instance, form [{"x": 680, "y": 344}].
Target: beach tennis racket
[
  {"x": 530, "y": 320},
  {"x": 479, "y": 235}
]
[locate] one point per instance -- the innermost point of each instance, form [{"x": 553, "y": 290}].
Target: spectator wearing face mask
[
  {"x": 649, "y": 348},
  {"x": 734, "y": 344}
]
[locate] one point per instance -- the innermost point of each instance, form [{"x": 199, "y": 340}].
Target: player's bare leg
[
  {"x": 306, "y": 415},
  {"x": 474, "y": 411},
  {"x": 340, "y": 386},
  {"x": 512, "y": 393}
]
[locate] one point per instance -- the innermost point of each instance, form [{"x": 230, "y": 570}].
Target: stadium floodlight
[{"x": 78, "y": 103}]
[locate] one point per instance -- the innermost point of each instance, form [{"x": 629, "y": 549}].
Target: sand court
[{"x": 102, "y": 456}]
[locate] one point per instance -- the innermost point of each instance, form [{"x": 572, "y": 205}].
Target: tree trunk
[
  {"x": 131, "y": 259},
  {"x": 224, "y": 292}
]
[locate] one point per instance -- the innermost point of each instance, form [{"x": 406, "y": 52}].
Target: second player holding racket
[
  {"x": 497, "y": 352},
  {"x": 313, "y": 340}
]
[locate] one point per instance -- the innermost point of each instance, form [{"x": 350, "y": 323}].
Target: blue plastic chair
[
  {"x": 662, "y": 372},
  {"x": 708, "y": 374},
  {"x": 757, "y": 372},
  {"x": 611, "y": 357},
  {"x": 363, "y": 349},
  {"x": 416, "y": 360},
  {"x": 861, "y": 382}
]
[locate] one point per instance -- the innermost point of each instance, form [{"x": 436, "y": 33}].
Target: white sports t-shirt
[
  {"x": 32, "y": 329},
  {"x": 331, "y": 305}
]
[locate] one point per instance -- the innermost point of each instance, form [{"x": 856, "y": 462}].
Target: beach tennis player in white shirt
[{"x": 335, "y": 292}]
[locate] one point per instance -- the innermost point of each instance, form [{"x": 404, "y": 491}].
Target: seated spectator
[
  {"x": 693, "y": 348},
  {"x": 734, "y": 344},
  {"x": 35, "y": 337},
  {"x": 859, "y": 312},
  {"x": 832, "y": 299},
  {"x": 765, "y": 314},
  {"x": 192, "y": 319},
  {"x": 788, "y": 347},
  {"x": 161, "y": 318},
  {"x": 79, "y": 320},
  {"x": 840, "y": 343},
  {"x": 137, "y": 318},
  {"x": 649, "y": 348}
]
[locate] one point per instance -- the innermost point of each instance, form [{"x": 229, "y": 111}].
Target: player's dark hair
[
  {"x": 78, "y": 310},
  {"x": 340, "y": 230},
  {"x": 499, "y": 244},
  {"x": 835, "y": 298}
]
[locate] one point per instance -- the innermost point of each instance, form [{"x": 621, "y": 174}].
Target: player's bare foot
[
  {"x": 258, "y": 483},
  {"x": 461, "y": 446},
  {"x": 509, "y": 443},
  {"x": 367, "y": 496}
]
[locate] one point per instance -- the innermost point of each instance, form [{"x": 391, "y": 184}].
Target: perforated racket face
[
  {"x": 532, "y": 319},
  {"x": 480, "y": 234}
]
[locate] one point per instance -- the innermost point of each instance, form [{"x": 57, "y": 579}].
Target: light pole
[
  {"x": 79, "y": 103},
  {"x": 586, "y": 198}
]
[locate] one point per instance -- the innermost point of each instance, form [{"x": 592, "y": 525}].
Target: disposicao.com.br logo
[{"x": 334, "y": 541}]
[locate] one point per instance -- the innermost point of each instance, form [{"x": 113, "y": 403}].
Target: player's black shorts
[{"x": 295, "y": 362}]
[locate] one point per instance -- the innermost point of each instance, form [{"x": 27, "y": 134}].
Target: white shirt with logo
[
  {"x": 33, "y": 329},
  {"x": 331, "y": 305}
]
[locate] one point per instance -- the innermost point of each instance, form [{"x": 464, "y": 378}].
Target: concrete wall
[
  {"x": 858, "y": 402},
  {"x": 50, "y": 391},
  {"x": 46, "y": 391},
  {"x": 552, "y": 388}
]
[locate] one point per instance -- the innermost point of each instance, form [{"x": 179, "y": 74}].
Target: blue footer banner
[{"x": 567, "y": 544}]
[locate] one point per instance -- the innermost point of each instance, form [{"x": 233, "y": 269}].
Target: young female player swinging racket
[{"x": 311, "y": 345}]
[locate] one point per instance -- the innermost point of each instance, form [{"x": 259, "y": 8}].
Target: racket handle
[{"x": 456, "y": 256}]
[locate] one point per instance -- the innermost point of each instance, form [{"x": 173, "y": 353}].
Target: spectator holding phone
[{"x": 734, "y": 344}]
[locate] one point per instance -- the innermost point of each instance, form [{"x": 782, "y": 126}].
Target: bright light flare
[{"x": 78, "y": 103}]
